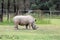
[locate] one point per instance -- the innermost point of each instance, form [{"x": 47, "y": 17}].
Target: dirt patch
[{"x": 49, "y": 27}]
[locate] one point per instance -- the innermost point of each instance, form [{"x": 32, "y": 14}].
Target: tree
[
  {"x": 20, "y": 6},
  {"x": 1, "y": 15},
  {"x": 27, "y": 4},
  {"x": 14, "y": 3},
  {"x": 17, "y": 7},
  {"x": 8, "y": 6}
]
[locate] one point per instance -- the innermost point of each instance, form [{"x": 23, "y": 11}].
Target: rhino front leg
[
  {"x": 26, "y": 26},
  {"x": 16, "y": 27}
]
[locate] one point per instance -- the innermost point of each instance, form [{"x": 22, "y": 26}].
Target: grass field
[{"x": 44, "y": 32}]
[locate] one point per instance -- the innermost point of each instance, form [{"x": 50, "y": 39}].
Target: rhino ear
[{"x": 35, "y": 19}]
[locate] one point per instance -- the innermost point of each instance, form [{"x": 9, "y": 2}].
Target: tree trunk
[
  {"x": 24, "y": 6},
  {"x": 14, "y": 7},
  {"x": 27, "y": 4},
  {"x": 1, "y": 15},
  {"x": 8, "y": 6},
  {"x": 17, "y": 9},
  {"x": 21, "y": 6}
]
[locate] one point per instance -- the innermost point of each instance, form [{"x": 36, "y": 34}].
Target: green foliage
[
  {"x": 40, "y": 4},
  {"x": 5, "y": 22},
  {"x": 33, "y": 6},
  {"x": 56, "y": 17}
]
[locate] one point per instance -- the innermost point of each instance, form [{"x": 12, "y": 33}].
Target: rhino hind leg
[{"x": 16, "y": 27}]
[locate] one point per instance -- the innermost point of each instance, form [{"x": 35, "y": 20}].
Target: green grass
[
  {"x": 45, "y": 32},
  {"x": 55, "y": 21},
  {"x": 43, "y": 21},
  {"x": 49, "y": 29}
]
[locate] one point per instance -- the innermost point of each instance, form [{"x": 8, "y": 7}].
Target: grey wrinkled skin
[{"x": 26, "y": 20}]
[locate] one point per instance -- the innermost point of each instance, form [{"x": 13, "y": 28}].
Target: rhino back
[{"x": 24, "y": 19}]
